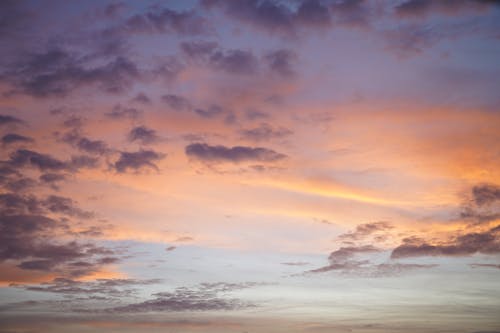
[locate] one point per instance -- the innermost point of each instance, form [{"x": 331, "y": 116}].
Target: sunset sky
[{"x": 250, "y": 166}]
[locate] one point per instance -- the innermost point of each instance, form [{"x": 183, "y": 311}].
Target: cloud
[
  {"x": 281, "y": 62},
  {"x": 234, "y": 61},
  {"x": 164, "y": 20},
  {"x": 265, "y": 132},
  {"x": 6, "y": 119},
  {"x": 198, "y": 49},
  {"x": 142, "y": 98},
  {"x": 487, "y": 242},
  {"x": 13, "y": 203},
  {"x": 31, "y": 241},
  {"x": 100, "y": 287},
  {"x": 58, "y": 204},
  {"x": 297, "y": 263},
  {"x": 57, "y": 73},
  {"x": 170, "y": 248},
  {"x": 485, "y": 265},
  {"x": 137, "y": 160},
  {"x": 44, "y": 162},
  {"x": 52, "y": 179},
  {"x": 486, "y": 194},
  {"x": 341, "y": 259},
  {"x": 120, "y": 112},
  {"x": 204, "y": 297},
  {"x": 14, "y": 138},
  {"x": 422, "y": 8},
  {"x": 210, "y": 112},
  {"x": 143, "y": 135},
  {"x": 364, "y": 230},
  {"x": 87, "y": 145},
  {"x": 176, "y": 102},
  {"x": 290, "y": 19},
  {"x": 236, "y": 154},
  {"x": 275, "y": 16}
]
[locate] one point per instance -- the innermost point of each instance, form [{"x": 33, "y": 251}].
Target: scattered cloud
[
  {"x": 138, "y": 160},
  {"x": 487, "y": 242},
  {"x": 143, "y": 135},
  {"x": 15, "y": 138},
  {"x": 236, "y": 154}
]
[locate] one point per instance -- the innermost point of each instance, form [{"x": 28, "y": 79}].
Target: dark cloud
[
  {"x": 170, "y": 248},
  {"x": 99, "y": 287},
  {"x": 90, "y": 146},
  {"x": 265, "y": 132},
  {"x": 486, "y": 194},
  {"x": 82, "y": 161},
  {"x": 207, "y": 153},
  {"x": 198, "y": 49},
  {"x": 120, "y": 112},
  {"x": 142, "y": 98},
  {"x": 6, "y": 119},
  {"x": 487, "y": 242},
  {"x": 275, "y": 16},
  {"x": 13, "y": 203},
  {"x": 367, "y": 229},
  {"x": 57, "y": 73},
  {"x": 52, "y": 178},
  {"x": 421, "y": 8},
  {"x": 485, "y": 265},
  {"x": 163, "y": 20},
  {"x": 289, "y": 19},
  {"x": 137, "y": 160},
  {"x": 344, "y": 261},
  {"x": 143, "y": 135},
  {"x": 31, "y": 241},
  {"x": 63, "y": 205},
  {"x": 341, "y": 259},
  {"x": 209, "y": 112},
  {"x": 20, "y": 184},
  {"x": 481, "y": 205},
  {"x": 205, "y": 297},
  {"x": 13, "y": 138},
  {"x": 176, "y": 102},
  {"x": 234, "y": 61},
  {"x": 295, "y": 263},
  {"x": 281, "y": 62},
  {"x": 43, "y": 162}
]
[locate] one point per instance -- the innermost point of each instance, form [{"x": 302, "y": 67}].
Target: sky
[{"x": 250, "y": 166}]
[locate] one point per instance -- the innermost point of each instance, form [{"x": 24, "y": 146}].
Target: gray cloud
[
  {"x": 57, "y": 73},
  {"x": 137, "y": 160},
  {"x": 265, "y": 132},
  {"x": 487, "y": 242},
  {"x": 486, "y": 194},
  {"x": 120, "y": 112},
  {"x": 164, "y": 20},
  {"x": 207, "y": 153},
  {"x": 421, "y": 8},
  {"x": 281, "y": 62},
  {"x": 366, "y": 229},
  {"x": 280, "y": 17},
  {"x": 14, "y": 138},
  {"x": 143, "y": 135},
  {"x": 205, "y": 297},
  {"x": 45, "y": 162},
  {"x": 6, "y": 119},
  {"x": 176, "y": 102}
]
